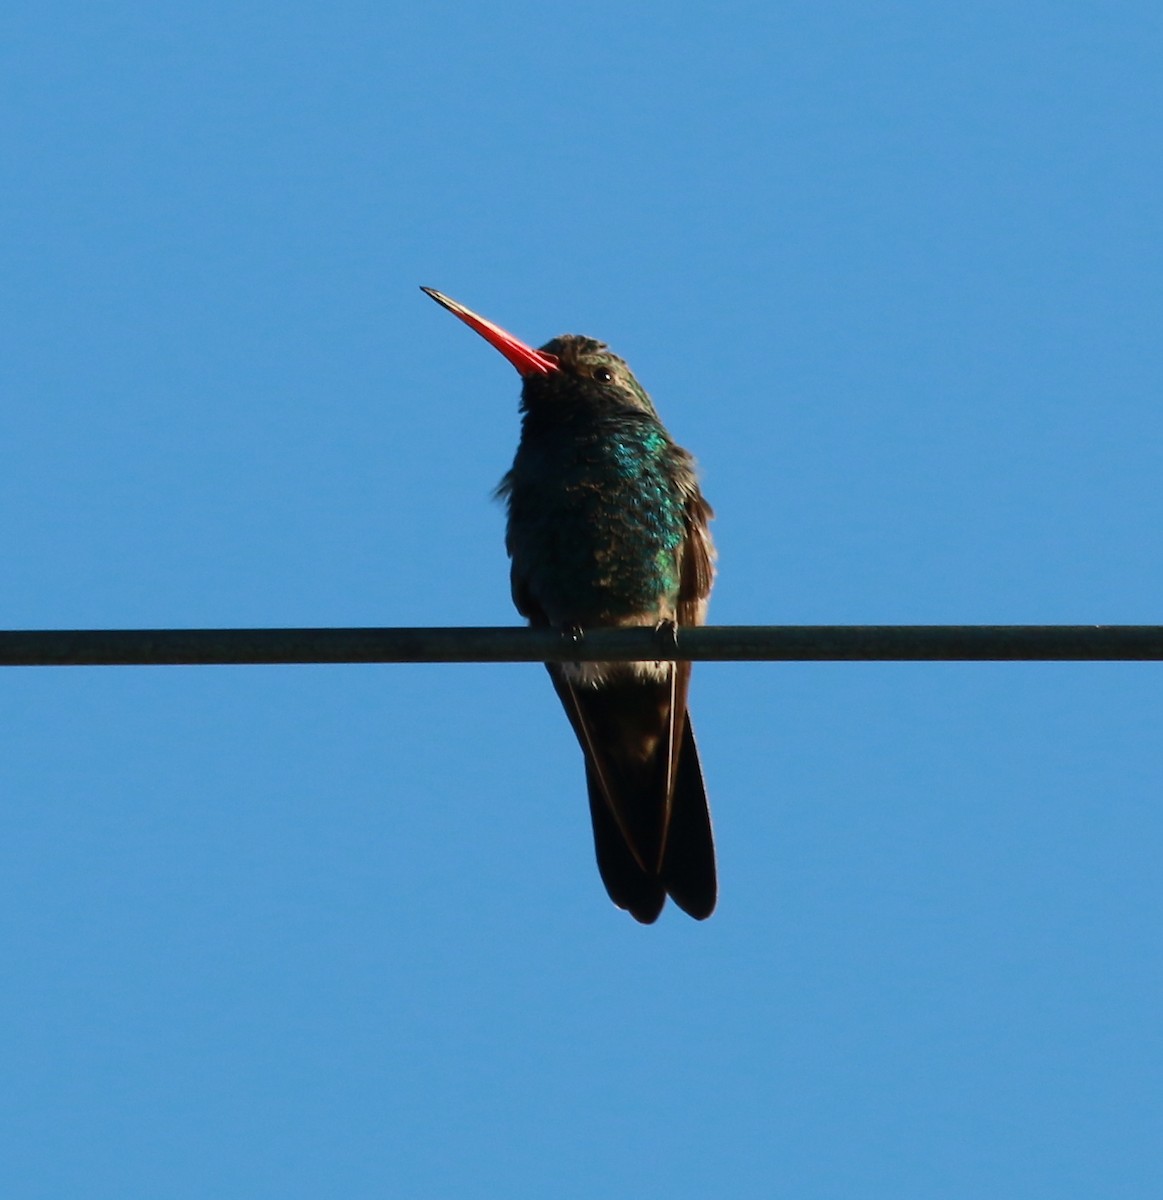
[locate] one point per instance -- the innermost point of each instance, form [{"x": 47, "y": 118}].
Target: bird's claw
[
  {"x": 573, "y": 633},
  {"x": 667, "y": 630}
]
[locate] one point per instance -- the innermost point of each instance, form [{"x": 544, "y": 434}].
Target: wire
[{"x": 713, "y": 643}]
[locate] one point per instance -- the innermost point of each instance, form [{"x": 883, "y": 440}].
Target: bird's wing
[{"x": 696, "y": 574}]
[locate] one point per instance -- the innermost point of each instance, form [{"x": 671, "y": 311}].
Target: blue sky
[{"x": 893, "y": 273}]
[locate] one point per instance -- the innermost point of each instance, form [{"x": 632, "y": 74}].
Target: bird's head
[{"x": 569, "y": 374}]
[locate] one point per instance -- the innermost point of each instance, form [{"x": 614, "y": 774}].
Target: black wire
[{"x": 722, "y": 643}]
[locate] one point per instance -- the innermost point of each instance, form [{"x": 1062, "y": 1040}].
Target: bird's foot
[
  {"x": 666, "y": 631},
  {"x": 573, "y": 633}
]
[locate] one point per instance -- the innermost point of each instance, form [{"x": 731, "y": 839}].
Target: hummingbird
[{"x": 607, "y": 527}]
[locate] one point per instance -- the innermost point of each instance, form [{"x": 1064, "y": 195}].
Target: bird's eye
[{"x": 603, "y": 374}]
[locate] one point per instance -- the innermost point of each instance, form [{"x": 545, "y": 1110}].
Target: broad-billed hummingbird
[{"x": 607, "y": 526}]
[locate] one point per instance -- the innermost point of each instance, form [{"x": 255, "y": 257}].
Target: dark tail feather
[
  {"x": 624, "y": 731},
  {"x": 630, "y": 888},
  {"x": 688, "y": 866}
]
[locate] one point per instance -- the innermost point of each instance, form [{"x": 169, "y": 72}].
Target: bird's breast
[{"x": 595, "y": 528}]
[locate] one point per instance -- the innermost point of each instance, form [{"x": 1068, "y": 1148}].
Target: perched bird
[{"x": 607, "y": 526}]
